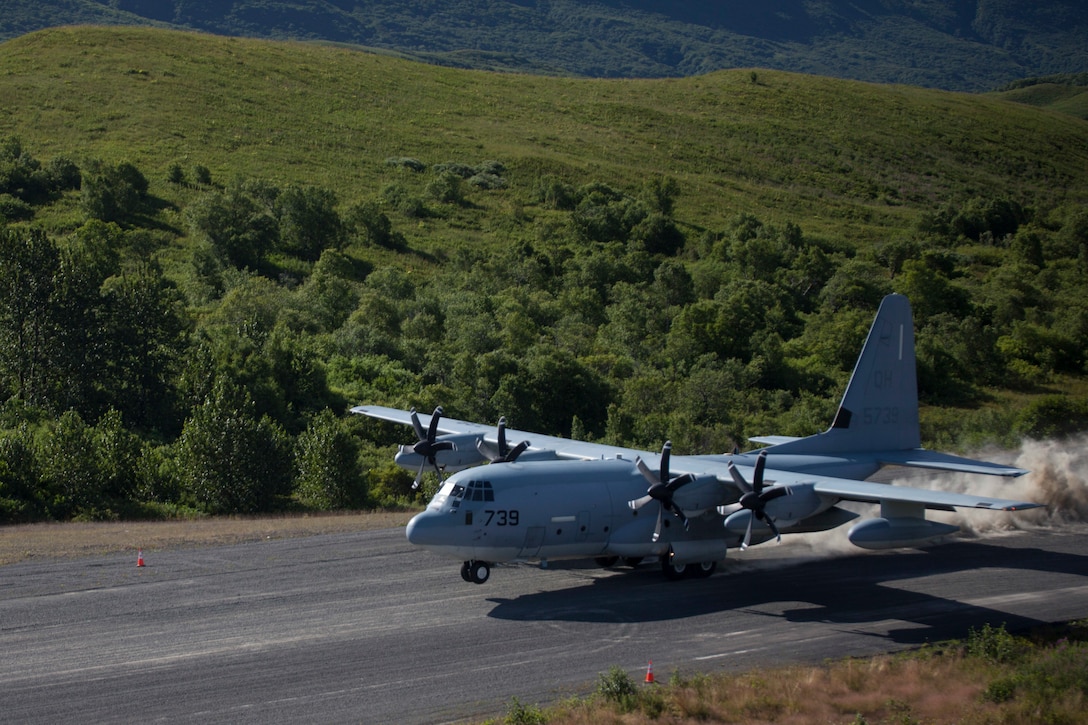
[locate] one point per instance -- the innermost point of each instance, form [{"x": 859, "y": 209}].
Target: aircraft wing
[
  {"x": 871, "y": 492},
  {"x": 716, "y": 466},
  {"x": 562, "y": 447}
]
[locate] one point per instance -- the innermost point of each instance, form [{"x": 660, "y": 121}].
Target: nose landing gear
[{"x": 476, "y": 572}]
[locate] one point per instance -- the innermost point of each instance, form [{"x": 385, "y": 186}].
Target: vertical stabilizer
[{"x": 879, "y": 411}]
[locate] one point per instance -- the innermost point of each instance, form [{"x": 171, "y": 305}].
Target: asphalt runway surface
[{"x": 364, "y": 628}]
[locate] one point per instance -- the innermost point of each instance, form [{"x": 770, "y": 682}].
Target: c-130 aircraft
[{"x": 553, "y": 498}]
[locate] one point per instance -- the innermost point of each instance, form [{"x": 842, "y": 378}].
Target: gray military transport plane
[{"x": 552, "y": 498}]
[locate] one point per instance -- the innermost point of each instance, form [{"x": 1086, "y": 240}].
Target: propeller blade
[
  {"x": 513, "y": 453},
  {"x": 679, "y": 481},
  {"x": 646, "y": 472},
  {"x": 657, "y": 529},
  {"x": 420, "y": 435},
  {"x": 640, "y": 502},
  {"x": 757, "y": 476},
  {"x": 755, "y": 499},
  {"x": 419, "y": 476},
  {"x": 738, "y": 478},
  {"x": 772, "y": 493},
  {"x": 666, "y": 454},
  {"x": 680, "y": 515},
  {"x": 774, "y": 529},
  {"x": 433, "y": 429},
  {"x": 502, "y": 437}
]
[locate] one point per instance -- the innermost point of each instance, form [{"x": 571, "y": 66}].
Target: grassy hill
[
  {"x": 1067, "y": 93},
  {"x": 960, "y": 46},
  {"x": 842, "y": 159}
]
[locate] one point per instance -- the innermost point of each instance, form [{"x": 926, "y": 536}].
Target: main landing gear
[
  {"x": 693, "y": 571},
  {"x": 476, "y": 572}
]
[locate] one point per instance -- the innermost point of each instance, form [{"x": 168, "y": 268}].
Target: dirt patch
[{"x": 68, "y": 540}]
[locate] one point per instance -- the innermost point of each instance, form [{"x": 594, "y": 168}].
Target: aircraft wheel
[
  {"x": 479, "y": 571},
  {"x": 702, "y": 570},
  {"x": 673, "y": 571},
  {"x": 466, "y": 573},
  {"x": 606, "y": 561}
]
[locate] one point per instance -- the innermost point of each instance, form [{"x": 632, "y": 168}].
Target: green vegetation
[
  {"x": 211, "y": 247},
  {"x": 966, "y": 47},
  {"x": 992, "y": 677},
  {"x": 1065, "y": 93}
]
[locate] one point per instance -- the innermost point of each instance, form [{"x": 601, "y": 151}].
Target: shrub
[
  {"x": 524, "y": 715},
  {"x": 616, "y": 686},
  {"x": 14, "y": 210},
  {"x": 404, "y": 162},
  {"x": 994, "y": 645}
]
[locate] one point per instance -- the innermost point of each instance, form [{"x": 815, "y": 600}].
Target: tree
[
  {"x": 326, "y": 464},
  {"x": 142, "y": 330},
  {"x": 232, "y": 461},
  {"x": 240, "y": 231},
  {"x": 29, "y": 265},
  {"x": 19, "y": 477},
  {"x": 374, "y": 226},
  {"x": 660, "y": 194},
  {"x": 309, "y": 223},
  {"x": 70, "y": 469},
  {"x": 113, "y": 193}
]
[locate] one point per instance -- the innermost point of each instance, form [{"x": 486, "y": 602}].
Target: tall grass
[{"x": 991, "y": 677}]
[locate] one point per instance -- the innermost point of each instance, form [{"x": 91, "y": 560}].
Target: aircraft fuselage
[{"x": 511, "y": 511}]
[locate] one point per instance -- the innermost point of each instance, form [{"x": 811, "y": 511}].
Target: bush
[
  {"x": 524, "y": 715},
  {"x": 616, "y": 686},
  {"x": 404, "y": 162},
  {"x": 1052, "y": 416},
  {"x": 446, "y": 188},
  {"x": 995, "y": 645},
  {"x": 14, "y": 210}
]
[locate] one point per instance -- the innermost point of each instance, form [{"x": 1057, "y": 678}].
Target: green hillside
[
  {"x": 1066, "y": 93},
  {"x": 207, "y": 244},
  {"x": 855, "y": 160}
]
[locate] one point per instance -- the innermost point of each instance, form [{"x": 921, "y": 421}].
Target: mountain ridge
[{"x": 972, "y": 45}]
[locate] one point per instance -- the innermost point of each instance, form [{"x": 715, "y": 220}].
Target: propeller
[
  {"x": 503, "y": 454},
  {"x": 427, "y": 446},
  {"x": 755, "y": 498},
  {"x": 662, "y": 488}
]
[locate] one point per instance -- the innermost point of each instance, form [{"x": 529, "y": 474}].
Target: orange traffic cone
[
  {"x": 650, "y": 673},
  {"x": 139, "y": 557}
]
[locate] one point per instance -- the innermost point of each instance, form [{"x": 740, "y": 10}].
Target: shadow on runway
[{"x": 845, "y": 591}]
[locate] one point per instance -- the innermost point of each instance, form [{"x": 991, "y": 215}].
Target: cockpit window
[
  {"x": 454, "y": 493},
  {"x": 479, "y": 491}
]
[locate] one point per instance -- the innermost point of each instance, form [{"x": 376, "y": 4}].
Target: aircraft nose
[{"x": 421, "y": 530}]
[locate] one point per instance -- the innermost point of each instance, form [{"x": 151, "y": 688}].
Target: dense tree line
[{"x": 136, "y": 383}]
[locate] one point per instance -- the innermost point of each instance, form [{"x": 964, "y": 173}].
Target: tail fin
[{"x": 879, "y": 411}]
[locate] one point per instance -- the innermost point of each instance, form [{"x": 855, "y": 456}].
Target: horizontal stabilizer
[
  {"x": 772, "y": 440},
  {"x": 921, "y": 458}
]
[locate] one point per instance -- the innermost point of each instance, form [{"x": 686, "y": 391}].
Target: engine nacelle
[
  {"x": 696, "y": 552},
  {"x": 800, "y": 503},
  {"x": 463, "y": 454},
  {"x": 893, "y": 533}
]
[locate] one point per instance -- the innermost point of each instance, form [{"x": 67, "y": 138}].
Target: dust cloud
[{"x": 1057, "y": 479}]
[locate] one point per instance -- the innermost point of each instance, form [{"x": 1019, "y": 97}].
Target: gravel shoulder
[{"x": 21, "y": 542}]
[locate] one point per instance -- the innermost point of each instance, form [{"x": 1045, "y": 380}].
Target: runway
[{"x": 364, "y": 628}]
